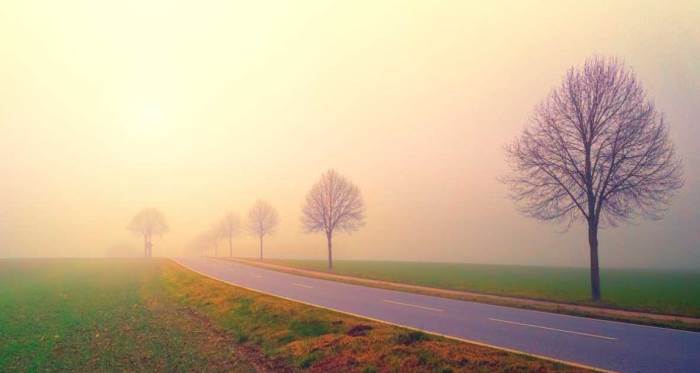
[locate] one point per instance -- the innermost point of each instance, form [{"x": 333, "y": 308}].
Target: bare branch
[
  {"x": 333, "y": 203},
  {"x": 229, "y": 225},
  {"x": 148, "y": 222},
  {"x": 262, "y": 219},
  {"x": 595, "y": 148}
]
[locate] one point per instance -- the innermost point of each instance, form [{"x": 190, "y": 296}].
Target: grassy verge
[{"x": 141, "y": 315}]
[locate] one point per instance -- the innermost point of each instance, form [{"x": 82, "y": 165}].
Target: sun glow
[
  {"x": 148, "y": 117},
  {"x": 200, "y": 107},
  {"x": 147, "y": 120}
]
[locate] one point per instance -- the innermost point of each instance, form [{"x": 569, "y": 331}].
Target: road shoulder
[{"x": 620, "y": 315}]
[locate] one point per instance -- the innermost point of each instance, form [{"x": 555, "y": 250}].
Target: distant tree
[
  {"x": 215, "y": 234},
  {"x": 333, "y": 203},
  {"x": 229, "y": 227},
  {"x": 200, "y": 244},
  {"x": 146, "y": 223},
  {"x": 595, "y": 150},
  {"x": 262, "y": 221},
  {"x": 196, "y": 246}
]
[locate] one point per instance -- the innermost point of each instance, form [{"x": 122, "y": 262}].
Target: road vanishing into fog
[{"x": 597, "y": 343}]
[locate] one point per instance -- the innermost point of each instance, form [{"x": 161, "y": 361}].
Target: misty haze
[{"x": 271, "y": 183}]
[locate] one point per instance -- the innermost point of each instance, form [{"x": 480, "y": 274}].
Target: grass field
[
  {"x": 660, "y": 291},
  {"x": 94, "y": 315}
]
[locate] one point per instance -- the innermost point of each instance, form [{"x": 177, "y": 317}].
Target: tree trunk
[
  {"x": 145, "y": 246},
  {"x": 595, "y": 271},
  {"x": 329, "y": 237},
  {"x": 261, "y": 247},
  {"x": 230, "y": 247}
]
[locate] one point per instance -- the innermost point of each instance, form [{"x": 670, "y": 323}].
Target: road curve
[{"x": 598, "y": 343}]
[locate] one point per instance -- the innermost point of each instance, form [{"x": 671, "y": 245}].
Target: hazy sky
[{"x": 200, "y": 107}]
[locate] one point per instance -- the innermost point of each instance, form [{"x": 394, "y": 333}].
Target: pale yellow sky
[{"x": 201, "y": 107}]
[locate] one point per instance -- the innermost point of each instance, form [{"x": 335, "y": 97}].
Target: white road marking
[
  {"x": 453, "y": 337},
  {"x": 554, "y": 329},
  {"x": 412, "y": 305},
  {"x": 302, "y": 285}
]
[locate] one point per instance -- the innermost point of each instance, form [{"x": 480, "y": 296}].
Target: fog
[{"x": 201, "y": 108}]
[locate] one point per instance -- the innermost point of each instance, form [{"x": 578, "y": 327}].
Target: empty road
[{"x": 598, "y": 343}]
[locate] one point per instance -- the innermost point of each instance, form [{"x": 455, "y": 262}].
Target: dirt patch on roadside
[{"x": 359, "y": 330}]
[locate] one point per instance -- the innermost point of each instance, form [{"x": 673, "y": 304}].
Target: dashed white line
[
  {"x": 412, "y": 305},
  {"x": 302, "y": 285},
  {"x": 553, "y": 329}
]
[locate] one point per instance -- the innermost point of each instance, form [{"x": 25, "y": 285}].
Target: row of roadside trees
[
  {"x": 596, "y": 150},
  {"x": 262, "y": 221},
  {"x": 334, "y": 204}
]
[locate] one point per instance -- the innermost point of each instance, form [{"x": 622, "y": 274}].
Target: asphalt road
[{"x": 598, "y": 343}]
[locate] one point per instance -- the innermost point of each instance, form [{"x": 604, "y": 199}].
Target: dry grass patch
[{"x": 298, "y": 337}]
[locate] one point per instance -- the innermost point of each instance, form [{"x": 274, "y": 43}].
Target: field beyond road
[
  {"x": 154, "y": 315},
  {"x": 673, "y": 292}
]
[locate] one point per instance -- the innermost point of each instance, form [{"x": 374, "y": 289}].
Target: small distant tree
[
  {"x": 201, "y": 244},
  {"x": 595, "y": 150},
  {"x": 215, "y": 234},
  {"x": 146, "y": 223},
  {"x": 229, "y": 227},
  {"x": 333, "y": 203},
  {"x": 262, "y": 221}
]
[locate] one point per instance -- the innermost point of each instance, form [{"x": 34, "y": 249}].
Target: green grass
[
  {"x": 662, "y": 291},
  {"x": 97, "y": 315}
]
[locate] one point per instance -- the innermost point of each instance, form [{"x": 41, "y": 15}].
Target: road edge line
[
  {"x": 355, "y": 280},
  {"x": 482, "y": 344}
]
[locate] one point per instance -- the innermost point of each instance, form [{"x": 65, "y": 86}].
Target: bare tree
[
  {"x": 200, "y": 244},
  {"x": 262, "y": 221},
  {"x": 146, "y": 223},
  {"x": 215, "y": 234},
  {"x": 333, "y": 203},
  {"x": 229, "y": 227},
  {"x": 595, "y": 150}
]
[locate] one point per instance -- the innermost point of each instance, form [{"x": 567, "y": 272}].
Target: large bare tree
[
  {"x": 595, "y": 150},
  {"x": 229, "y": 227},
  {"x": 146, "y": 223},
  {"x": 262, "y": 221},
  {"x": 333, "y": 203}
]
